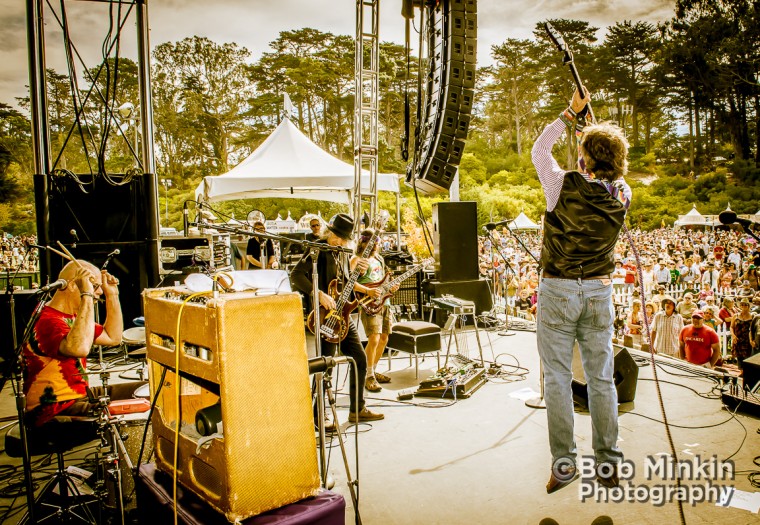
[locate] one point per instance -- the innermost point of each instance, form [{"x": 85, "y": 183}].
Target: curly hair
[{"x": 605, "y": 151}]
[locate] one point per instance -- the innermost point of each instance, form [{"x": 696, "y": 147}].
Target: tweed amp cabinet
[{"x": 246, "y": 355}]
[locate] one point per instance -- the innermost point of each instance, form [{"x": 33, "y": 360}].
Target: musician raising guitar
[
  {"x": 378, "y": 326},
  {"x": 329, "y": 268}
]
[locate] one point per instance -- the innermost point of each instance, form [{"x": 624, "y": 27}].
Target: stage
[{"x": 486, "y": 459}]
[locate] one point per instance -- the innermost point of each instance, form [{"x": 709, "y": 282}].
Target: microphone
[
  {"x": 74, "y": 236},
  {"x": 185, "y": 220},
  {"x": 730, "y": 217},
  {"x": 60, "y": 284},
  {"x": 490, "y": 226},
  {"x": 109, "y": 257},
  {"x": 324, "y": 363}
]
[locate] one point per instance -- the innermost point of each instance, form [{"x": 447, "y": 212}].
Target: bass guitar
[
  {"x": 374, "y": 306},
  {"x": 334, "y": 323}
]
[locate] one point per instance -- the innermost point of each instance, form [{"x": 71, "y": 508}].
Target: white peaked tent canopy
[
  {"x": 289, "y": 165},
  {"x": 522, "y": 222},
  {"x": 693, "y": 218}
]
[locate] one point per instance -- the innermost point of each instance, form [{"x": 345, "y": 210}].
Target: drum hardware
[{"x": 109, "y": 455}]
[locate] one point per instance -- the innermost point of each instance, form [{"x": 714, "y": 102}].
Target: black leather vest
[{"x": 581, "y": 232}]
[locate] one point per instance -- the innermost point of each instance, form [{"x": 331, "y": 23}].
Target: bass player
[{"x": 330, "y": 266}]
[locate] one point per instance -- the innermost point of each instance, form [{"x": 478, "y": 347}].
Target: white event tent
[
  {"x": 694, "y": 218},
  {"x": 289, "y": 165},
  {"x": 522, "y": 222}
]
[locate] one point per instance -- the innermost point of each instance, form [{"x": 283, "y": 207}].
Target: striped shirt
[
  {"x": 667, "y": 329},
  {"x": 552, "y": 176}
]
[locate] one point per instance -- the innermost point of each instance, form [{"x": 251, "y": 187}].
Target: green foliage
[{"x": 213, "y": 105}]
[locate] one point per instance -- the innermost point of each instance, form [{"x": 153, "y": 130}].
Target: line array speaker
[{"x": 449, "y": 91}]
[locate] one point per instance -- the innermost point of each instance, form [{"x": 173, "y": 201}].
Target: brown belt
[{"x": 592, "y": 278}]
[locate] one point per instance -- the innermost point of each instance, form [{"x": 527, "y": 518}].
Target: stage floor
[{"x": 486, "y": 459}]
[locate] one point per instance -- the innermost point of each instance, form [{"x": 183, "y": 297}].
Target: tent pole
[{"x": 398, "y": 220}]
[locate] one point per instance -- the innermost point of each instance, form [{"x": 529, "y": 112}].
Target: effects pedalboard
[{"x": 458, "y": 382}]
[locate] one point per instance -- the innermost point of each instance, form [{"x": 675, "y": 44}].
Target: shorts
[{"x": 377, "y": 324}]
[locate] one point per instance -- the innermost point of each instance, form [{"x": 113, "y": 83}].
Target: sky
[{"x": 255, "y": 23}]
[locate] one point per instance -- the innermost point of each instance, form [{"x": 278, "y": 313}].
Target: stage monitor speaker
[
  {"x": 476, "y": 290},
  {"x": 751, "y": 372},
  {"x": 455, "y": 241},
  {"x": 449, "y": 91},
  {"x": 625, "y": 376},
  {"x": 248, "y": 353}
]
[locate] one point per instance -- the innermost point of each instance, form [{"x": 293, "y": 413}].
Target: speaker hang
[{"x": 448, "y": 93}]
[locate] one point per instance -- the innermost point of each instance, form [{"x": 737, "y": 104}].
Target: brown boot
[
  {"x": 561, "y": 480},
  {"x": 607, "y": 475},
  {"x": 365, "y": 415},
  {"x": 382, "y": 378},
  {"x": 372, "y": 385}
]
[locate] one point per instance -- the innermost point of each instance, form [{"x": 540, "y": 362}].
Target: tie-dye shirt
[{"x": 52, "y": 381}]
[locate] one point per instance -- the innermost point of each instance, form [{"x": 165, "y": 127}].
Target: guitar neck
[
  {"x": 355, "y": 274},
  {"x": 403, "y": 276},
  {"x": 576, "y": 77}
]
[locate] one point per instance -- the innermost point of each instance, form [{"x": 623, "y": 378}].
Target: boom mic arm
[{"x": 490, "y": 226}]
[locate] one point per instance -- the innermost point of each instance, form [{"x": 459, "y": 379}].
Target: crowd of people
[
  {"x": 15, "y": 253},
  {"x": 683, "y": 271}
]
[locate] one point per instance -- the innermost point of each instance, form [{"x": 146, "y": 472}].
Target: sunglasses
[{"x": 313, "y": 225}]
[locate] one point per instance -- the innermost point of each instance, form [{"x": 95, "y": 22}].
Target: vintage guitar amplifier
[{"x": 247, "y": 353}]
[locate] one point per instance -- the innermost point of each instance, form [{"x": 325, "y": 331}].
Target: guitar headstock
[
  {"x": 381, "y": 220},
  {"x": 559, "y": 41}
]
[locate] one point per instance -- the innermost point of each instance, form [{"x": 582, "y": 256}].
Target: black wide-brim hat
[{"x": 342, "y": 225}]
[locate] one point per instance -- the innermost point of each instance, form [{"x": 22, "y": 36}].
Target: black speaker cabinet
[
  {"x": 625, "y": 376},
  {"x": 475, "y": 290},
  {"x": 751, "y": 371},
  {"x": 119, "y": 211},
  {"x": 24, "y": 303},
  {"x": 455, "y": 240},
  {"x": 130, "y": 267}
]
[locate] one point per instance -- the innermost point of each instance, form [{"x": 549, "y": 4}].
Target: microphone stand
[
  {"x": 749, "y": 232},
  {"x": 509, "y": 267},
  {"x": 314, "y": 249},
  {"x": 14, "y": 371}
]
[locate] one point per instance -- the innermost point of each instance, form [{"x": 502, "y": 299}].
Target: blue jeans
[{"x": 570, "y": 310}]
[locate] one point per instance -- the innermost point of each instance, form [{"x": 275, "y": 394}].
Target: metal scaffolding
[{"x": 366, "y": 82}]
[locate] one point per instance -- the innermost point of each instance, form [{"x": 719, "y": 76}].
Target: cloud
[{"x": 255, "y": 23}]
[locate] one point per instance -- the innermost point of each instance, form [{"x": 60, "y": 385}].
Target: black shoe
[{"x": 607, "y": 475}]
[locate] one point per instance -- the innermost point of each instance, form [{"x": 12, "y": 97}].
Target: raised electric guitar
[
  {"x": 374, "y": 306},
  {"x": 567, "y": 58},
  {"x": 334, "y": 323}
]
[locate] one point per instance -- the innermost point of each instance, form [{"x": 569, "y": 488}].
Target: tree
[
  {"x": 630, "y": 50},
  {"x": 206, "y": 83},
  {"x": 514, "y": 91}
]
